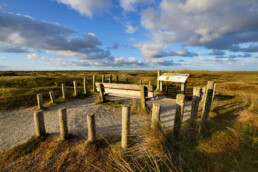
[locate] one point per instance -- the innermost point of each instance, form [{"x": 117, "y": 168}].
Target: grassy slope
[{"x": 227, "y": 143}]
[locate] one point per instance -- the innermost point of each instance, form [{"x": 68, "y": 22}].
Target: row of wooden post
[
  {"x": 62, "y": 113},
  {"x": 155, "y": 119},
  {"x": 117, "y": 80},
  {"x": 64, "y": 94},
  {"x": 206, "y": 95},
  {"x": 40, "y": 129}
]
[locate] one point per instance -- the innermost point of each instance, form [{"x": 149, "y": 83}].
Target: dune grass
[{"x": 227, "y": 142}]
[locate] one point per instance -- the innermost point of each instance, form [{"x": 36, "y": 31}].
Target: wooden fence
[{"x": 206, "y": 98}]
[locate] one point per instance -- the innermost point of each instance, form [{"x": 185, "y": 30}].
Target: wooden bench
[{"x": 126, "y": 90}]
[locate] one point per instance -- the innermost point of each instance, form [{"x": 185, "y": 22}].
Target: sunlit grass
[{"x": 228, "y": 142}]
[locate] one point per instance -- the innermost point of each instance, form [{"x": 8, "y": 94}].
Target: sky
[{"x": 128, "y": 35}]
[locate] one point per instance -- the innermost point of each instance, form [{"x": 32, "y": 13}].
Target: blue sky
[{"x": 128, "y": 34}]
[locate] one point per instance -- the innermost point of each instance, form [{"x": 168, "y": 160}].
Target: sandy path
[{"x": 17, "y": 126}]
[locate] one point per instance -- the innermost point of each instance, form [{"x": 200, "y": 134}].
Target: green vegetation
[{"x": 227, "y": 142}]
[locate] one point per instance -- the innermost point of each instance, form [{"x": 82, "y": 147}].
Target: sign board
[{"x": 174, "y": 77}]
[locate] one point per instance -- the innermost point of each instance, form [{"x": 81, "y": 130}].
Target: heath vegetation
[{"x": 227, "y": 142}]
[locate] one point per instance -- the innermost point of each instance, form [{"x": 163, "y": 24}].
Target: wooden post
[
  {"x": 140, "y": 82},
  {"x": 161, "y": 86},
  {"x": 117, "y": 79},
  {"x": 144, "y": 93},
  {"x": 203, "y": 93},
  {"x": 103, "y": 78},
  {"x": 110, "y": 79},
  {"x": 180, "y": 103},
  {"x": 125, "y": 126},
  {"x": 101, "y": 93},
  {"x": 52, "y": 97},
  {"x": 195, "y": 103},
  {"x": 39, "y": 123},
  {"x": 158, "y": 87},
  {"x": 94, "y": 84},
  {"x": 40, "y": 101},
  {"x": 207, "y": 101},
  {"x": 75, "y": 88},
  {"x": 126, "y": 80},
  {"x": 62, "y": 113},
  {"x": 183, "y": 88},
  {"x": 155, "y": 119},
  {"x": 214, "y": 92},
  {"x": 64, "y": 91},
  {"x": 149, "y": 83},
  {"x": 166, "y": 88},
  {"x": 91, "y": 127},
  {"x": 85, "y": 85}
]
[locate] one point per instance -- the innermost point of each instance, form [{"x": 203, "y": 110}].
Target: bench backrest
[{"x": 125, "y": 90}]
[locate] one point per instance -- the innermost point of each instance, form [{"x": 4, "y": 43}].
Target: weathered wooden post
[
  {"x": 161, "y": 86},
  {"x": 126, "y": 80},
  {"x": 117, "y": 79},
  {"x": 91, "y": 127},
  {"x": 158, "y": 82},
  {"x": 52, "y": 97},
  {"x": 75, "y": 88},
  {"x": 149, "y": 83},
  {"x": 101, "y": 93},
  {"x": 155, "y": 119},
  {"x": 207, "y": 101},
  {"x": 125, "y": 126},
  {"x": 103, "y": 78},
  {"x": 140, "y": 82},
  {"x": 144, "y": 93},
  {"x": 64, "y": 91},
  {"x": 39, "y": 123},
  {"x": 195, "y": 103},
  {"x": 183, "y": 88},
  {"x": 180, "y": 103},
  {"x": 166, "y": 88},
  {"x": 203, "y": 93},
  {"x": 85, "y": 85},
  {"x": 94, "y": 84},
  {"x": 214, "y": 92},
  {"x": 110, "y": 79},
  {"x": 62, "y": 113},
  {"x": 40, "y": 101}
]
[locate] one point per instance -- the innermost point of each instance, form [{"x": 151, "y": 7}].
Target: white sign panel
[{"x": 174, "y": 77}]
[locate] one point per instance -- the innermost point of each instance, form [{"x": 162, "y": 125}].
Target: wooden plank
[
  {"x": 126, "y": 86},
  {"x": 125, "y": 93}
]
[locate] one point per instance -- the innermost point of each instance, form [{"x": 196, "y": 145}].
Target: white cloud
[
  {"x": 19, "y": 30},
  {"x": 32, "y": 56},
  {"x": 130, "y": 28},
  {"x": 152, "y": 50},
  {"x": 159, "y": 50},
  {"x": 88, "y": 7},
  {"x": 162, "y": 62},
  {"x": 198, "y": 22}
]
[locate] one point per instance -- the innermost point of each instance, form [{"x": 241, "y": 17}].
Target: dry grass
[{"x": 227, "y": 142}]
